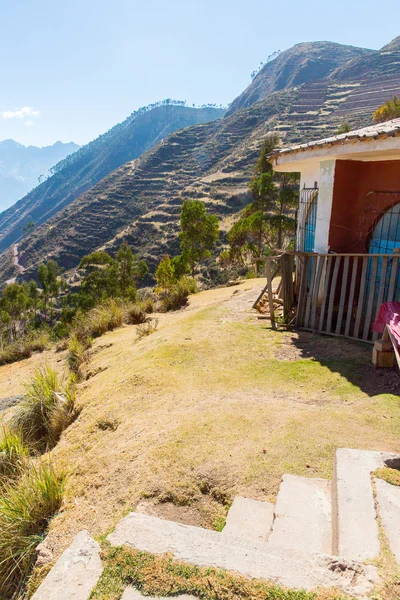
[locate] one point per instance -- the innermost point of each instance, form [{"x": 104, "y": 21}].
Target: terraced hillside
[
  {"x": 141, "y": 200},
  {"x": 79, "y": 172}
]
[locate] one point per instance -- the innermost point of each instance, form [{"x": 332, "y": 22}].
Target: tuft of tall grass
[
  {"x": 45, "y": 411},
  {"x": 14, "y": 456},
  {"x": 78, "y": 354},
  {"x": 146, "y": 328},
  {"x": 26, "y": 506},
  {"x": 99, "y": 320}
]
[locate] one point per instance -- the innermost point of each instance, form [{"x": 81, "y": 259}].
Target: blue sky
[{"x": 73, "y": 69}]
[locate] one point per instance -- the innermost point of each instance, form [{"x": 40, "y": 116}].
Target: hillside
[
  {"x": 79, "y": 172},
  {"x": 141, "y": 200},
  {"x": 21, "y": 166},
  {"x": 180, "y": 422}
]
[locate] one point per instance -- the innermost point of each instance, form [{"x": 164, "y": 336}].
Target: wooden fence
[{"x": 337, "y": 294}]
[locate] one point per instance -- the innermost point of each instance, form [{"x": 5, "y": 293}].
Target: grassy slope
[{"x": 212, "y": 404}]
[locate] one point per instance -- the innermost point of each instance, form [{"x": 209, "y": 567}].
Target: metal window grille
[{"x": 307, "y": 219}]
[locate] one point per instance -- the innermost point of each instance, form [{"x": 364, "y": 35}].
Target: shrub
[
  {"x": 25, "y": 510},
  {"x": 35, "y": 341},
  {"x": 135, "y": 315},
  {"x": 178, "y": 294},
  {"x": 388, "y": 110},
  {"x": 146, "y": 328},
  {"x": 78, "y": 354},
  {"x": 46, "y": 410},
  {"x": 14, "y": 455},
  {"x": 147, "y": 304}
]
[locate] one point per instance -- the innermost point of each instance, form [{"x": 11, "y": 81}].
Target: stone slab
[
  {"x": 303, "y": 515},
  {"x": 75, "y": 573},
  {"x": 132, "y": 594},
  {"x": 355, "y": 526},
  {"x": 249, "y": 518},
  {"x": 253, "y": 558},
  {"x": 388, "y": 497}
]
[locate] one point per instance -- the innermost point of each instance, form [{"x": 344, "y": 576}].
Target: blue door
[{"x": 310, "y": 225}]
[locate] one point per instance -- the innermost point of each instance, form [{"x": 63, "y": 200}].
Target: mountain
[
  {"x": 305, "y": 93},
  {"x": 21, "y": 166},
  {"x": 83, "y": 169},
  {"x": 304, "y": 62}
]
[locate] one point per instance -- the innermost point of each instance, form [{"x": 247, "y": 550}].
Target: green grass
[
  {"x": 46, "y": 410},
  {"x": 14, "y": 456},
  {"x": 25, "y": 509},
  {"x": 163, "y": 576}
]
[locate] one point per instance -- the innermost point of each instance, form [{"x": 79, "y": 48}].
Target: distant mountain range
[
  {"x": 22, "y": 166},
  {"x": 306, "y": 92}
]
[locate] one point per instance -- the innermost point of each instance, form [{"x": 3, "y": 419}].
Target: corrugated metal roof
[{"x": 388, "y": 128}]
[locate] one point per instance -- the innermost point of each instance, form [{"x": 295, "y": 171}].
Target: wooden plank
[
  {"x": 340, "y": 335},
  {"x": 351, "y": 296},
  {"x": 342, "y": 294},
  {"x": 371, "y": 298},
  {"x": 302, "y": 292},
  {"x": 394, "y": 344},
  {"x": 320, "y": 266},
  {"x": 270, "y": 295},
  {"x": 310, "y": 291},
  {"x": 328, "y": 269},
  {"x": 393, "y": 279},
  {"x": 381, "y": 292},
  {"x": 361, "y": 297},
  {"x": 332, "y": 293}
]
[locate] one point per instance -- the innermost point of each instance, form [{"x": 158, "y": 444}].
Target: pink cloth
[{"x": 389, "y": 314}]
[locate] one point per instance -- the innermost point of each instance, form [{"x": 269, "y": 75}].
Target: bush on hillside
[
  {"x": 135, "y": 315},
  {"x": 178, "y": 294},
  {"x": 99, "y": 320},
  {"x": 388, "y": 110},
  {"x": 25, "y": 510},
  {"x": 35, "y": 341},
  {"x": 45, "y": 411}
]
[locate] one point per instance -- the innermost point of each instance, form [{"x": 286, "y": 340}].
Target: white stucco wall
[
  {"x": 309, "y": 175},
  {"x": 324, "y": 207}
]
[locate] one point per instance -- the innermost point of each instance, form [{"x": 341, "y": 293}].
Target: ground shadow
[{"x": 350, "y": 358}]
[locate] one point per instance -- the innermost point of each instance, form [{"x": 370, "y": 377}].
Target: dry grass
[
  {"x": 213, "y": 404},
  {"x": 390, "y": 475},
  {"x": 162, "y": 576}
]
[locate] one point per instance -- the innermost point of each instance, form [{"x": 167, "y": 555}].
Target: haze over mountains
[
  {"x": 21, "y": 166},
  {"x": 306, "y": 92}
]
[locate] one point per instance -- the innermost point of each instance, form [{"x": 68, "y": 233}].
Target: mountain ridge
[
  {"x": 21, "y": 166},
  {"x": 141, "y": 200}
]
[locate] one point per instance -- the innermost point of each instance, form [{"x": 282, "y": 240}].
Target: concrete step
[
  {"x": 253, "y": 558},
  {"x": 355, "y": 526},
  {"x": 388, "y": 497},
  {"x": 303, "y": 515},
  {"x": 75, "y": 573},
  {"x": 249, "y": 518}
]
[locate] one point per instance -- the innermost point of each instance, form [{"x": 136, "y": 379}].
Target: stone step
[
  {"x": 388, "y": 497},
  {"x": 133, "y": 594},
  {"x": 355, "y": 526},
  {"x": 75, "y": 573},
  {"x": 303, "y": 515},
  {"x": 249, "y": 518},
  {"x": 253, "y": 558}
]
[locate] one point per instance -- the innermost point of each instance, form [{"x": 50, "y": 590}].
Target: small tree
[
  {"x": 199, "y": 232},
  {"x": 165, "y": 275}
]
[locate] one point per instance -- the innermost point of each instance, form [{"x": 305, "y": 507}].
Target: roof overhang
[{"x": 383, "y": 147}]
